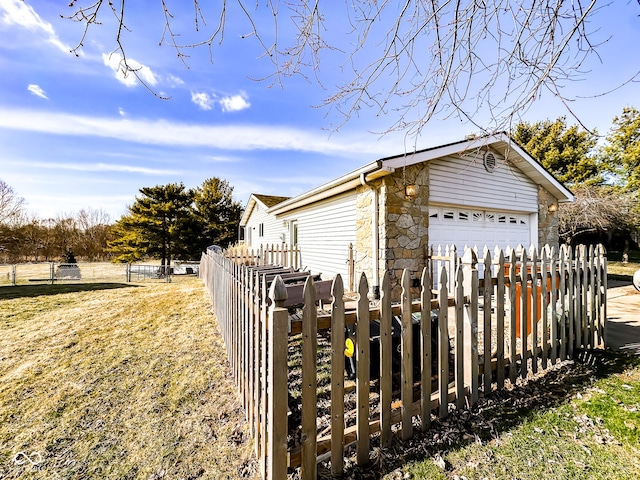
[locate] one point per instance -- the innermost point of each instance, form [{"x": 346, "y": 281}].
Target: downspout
[{"x": 375, "y": 241}]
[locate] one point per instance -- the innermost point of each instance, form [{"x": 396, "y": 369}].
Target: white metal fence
[{"x": 85, "y": 272}]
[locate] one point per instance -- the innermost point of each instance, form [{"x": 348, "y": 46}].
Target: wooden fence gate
[{"x": 487, "y": 322}]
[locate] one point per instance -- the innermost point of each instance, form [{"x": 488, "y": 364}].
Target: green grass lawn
[
  {"x": 117, "y": 381},
  {"x": 589, "y": 427}
]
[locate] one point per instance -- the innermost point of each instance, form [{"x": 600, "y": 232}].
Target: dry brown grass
[{"x": 127, "y": 382}]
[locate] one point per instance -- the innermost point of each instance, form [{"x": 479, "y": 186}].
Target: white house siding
[
  {"x": 272, "y": 228},
  {"x": 471, "y": 206},
  {"x": 325, "y": 230},
  {"x": 464, "y": 181}
]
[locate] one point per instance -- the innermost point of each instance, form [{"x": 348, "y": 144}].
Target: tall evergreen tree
[
  {"x": 217, "y": 213},
  {"x": 566, "y": 151},
  {"x": 622, "y": 152},
  {"x": 153, "y": 225}
]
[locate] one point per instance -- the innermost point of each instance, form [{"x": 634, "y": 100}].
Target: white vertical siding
[
  {"x": 325, "y": 230},
  {"x": 458, "y": 180}
]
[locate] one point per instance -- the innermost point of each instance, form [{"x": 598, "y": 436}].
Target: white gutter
[{"x": 335, "y": 187}]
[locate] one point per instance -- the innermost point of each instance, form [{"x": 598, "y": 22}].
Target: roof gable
[
  {"x": 499, "y": 142},
  {"x": 267, "y": 201}
]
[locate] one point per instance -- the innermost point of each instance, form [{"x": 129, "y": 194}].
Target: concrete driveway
[{"x": 623, "y": 317}]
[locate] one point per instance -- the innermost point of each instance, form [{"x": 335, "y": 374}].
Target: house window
[
  {"x": 261, "y": 230},
  {"x": 449, "y": 215},
  {"x": 463, "y": 215},
  {"x": 293, "y": 232}
]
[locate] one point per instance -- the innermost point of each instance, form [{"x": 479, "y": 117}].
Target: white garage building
[{"x": 483, "y": 191}]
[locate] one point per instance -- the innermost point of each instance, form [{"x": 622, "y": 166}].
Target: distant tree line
[
  {"x": 24, "y": 239},
  {"x": 165, "y": 222}
]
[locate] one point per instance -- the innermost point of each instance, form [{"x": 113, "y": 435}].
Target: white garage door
[{"x": 469, "y": 227}]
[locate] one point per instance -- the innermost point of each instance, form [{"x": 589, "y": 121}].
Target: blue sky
[{"x": 74, "y": 134}]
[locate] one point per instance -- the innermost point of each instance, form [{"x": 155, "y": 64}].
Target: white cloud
[
  {"x": 224, "y": 137},
  {"x": 221, "y": 159},
  {"x": 203, "y": 100},
  {"x": 235, "y": 103},
  {"x": 17, "y": 12},
  {"x": 97, "y": 167},
  {"x": 122, "y": 112},
  {"x": 175, "y": 81},
  {"x": 37, "y": 91},
  {"x": 125, "y": 75}
]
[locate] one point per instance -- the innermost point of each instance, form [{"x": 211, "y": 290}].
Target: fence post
[
  {"x": 443, "y": 343},
  {"x": 511, "y": 253},
  {"x": 602, "y": 253},
  {"x": 337, "y": 378},
  {"x": 486, "y": 311},
  {"x": 362, "y": 373},
  {"x": 524, "y": 310},
  {"x": 535, "y": 307},
  {"x": 553, "y": 266},
  {"x": 500, "y": 299},
  {"x": 425, "y": 345},
  {"x": 309, "y": 387},
  {"x": 470, "y": 289},
  {"x": 406, "y": 346},
  {"x": 277, "y": 382},
  {"x": 13, "y": 275}
]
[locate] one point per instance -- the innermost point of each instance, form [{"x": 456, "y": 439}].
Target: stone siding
[
  {"x": 547, "y": 221},
  {"x": 402, "y": 226}
]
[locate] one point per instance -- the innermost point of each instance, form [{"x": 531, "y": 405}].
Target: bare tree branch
[{"x": 412, "y": 60}]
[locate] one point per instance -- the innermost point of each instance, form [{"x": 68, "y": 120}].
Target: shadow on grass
[
  {"x": 619, "y": 278},
  {"x": 25, "y": 291},
  {"x": 497, "y": 413}
]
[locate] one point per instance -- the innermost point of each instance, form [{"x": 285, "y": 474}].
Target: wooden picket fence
[
  {"x": 270, "y": 254},
  {"x": 484, "y": 336}
]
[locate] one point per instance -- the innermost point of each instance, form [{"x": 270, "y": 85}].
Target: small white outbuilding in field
[{"x": 483, "y": 191}]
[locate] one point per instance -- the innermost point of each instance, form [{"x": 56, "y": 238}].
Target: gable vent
[{"x": 489, "y": 162}]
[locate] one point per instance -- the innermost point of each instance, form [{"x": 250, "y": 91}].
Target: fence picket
[
  {"x": 513, "y": 315},
  {"x": 486, "y": 324},
  {"x": 553, "y": 300},
  {"x": 337, "y": 377},
  {"x": 500, "y": 322},
  {"x": 524, "y": 310},
  {"x": 534, "y": 299},
  {"x": 470, "y": 292},
  {"x": 463, "y": 372},
  {"x": 309, "y": 381},
  {"x": 562, "y": 265},
  {"x": 406, "y": 355},
  {"x": 362, "y": 372},
  {"x": 277, "y": 382},
  {"x": 425, "y": 346},
  {"x": 443, "y": 343},
  {"x": 584, "y": 296},
  {"x": 386, "y": 346}
]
